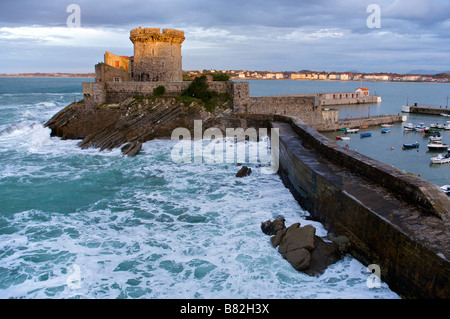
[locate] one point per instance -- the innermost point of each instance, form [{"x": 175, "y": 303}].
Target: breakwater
[
  {"x": 359, "y": 122},
  {"x": 393, "y": 219},
  {"x": 418, "y": 109}
]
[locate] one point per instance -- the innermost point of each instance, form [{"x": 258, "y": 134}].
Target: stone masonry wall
[
  {"x": 157, "y": 55},
  {"x": 115, "y": 92}
]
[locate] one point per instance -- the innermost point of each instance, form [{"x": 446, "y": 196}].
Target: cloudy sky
[{"x": 283, "y": 35}]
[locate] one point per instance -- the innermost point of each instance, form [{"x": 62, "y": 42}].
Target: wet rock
[
  {"x": 296, "y": 238},
  {"x": 272, "y": 227},
  {"x": 131, "y": 149},
  {"x": 325, "y": 254},
  {"x": 302, "y": 248},
  {"x": 300, "y": 259},
  {"x": 244, "y": 171}
]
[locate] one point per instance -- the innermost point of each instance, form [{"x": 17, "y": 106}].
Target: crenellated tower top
[{"x": 155, "y": 34}]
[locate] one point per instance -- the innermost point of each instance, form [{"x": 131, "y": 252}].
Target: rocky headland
[{"x": 134, "y": 121}]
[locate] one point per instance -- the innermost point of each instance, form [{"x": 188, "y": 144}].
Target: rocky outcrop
[
  {"x": 244, "y": 171},
  {"x": 302, "y": 248},
  {"x": 127, "y": 124}
]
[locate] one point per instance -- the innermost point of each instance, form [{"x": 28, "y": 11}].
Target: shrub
[
  {"x": 220, "y": 77},
  {"x": 160, "y": 90},
  {"x": 198, "y": 89}
]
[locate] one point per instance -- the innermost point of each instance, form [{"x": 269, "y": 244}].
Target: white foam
[{"x": 164, "y": 230}]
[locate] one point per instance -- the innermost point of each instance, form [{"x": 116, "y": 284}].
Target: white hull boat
[
  {"x": 435, "y": 146},
  {"x": 441, "y": 159}
]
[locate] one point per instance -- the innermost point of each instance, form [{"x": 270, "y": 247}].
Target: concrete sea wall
[
  {"x": 358, "y": 122},
  {"x": 428, "y": 110},
  {"x": 394, "y": 220}
]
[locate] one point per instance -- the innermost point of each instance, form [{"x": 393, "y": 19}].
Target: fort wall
[{"x": 308, "y": 107}]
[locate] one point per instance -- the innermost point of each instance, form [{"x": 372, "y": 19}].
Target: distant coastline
[{"x": 48, "y": 75}]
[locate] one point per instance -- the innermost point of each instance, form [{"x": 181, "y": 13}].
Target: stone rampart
[{"x": 115, "y": 92}]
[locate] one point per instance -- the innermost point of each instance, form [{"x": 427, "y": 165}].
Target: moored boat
[
  {"x": 409, "y": 127},
  {"x": 385, "y": 130},
  {"x": 435, "y": 138},
  {"x": 351, "y": 130},
  {"x": 367, "y": 134},
  {"x": 437, "y": 146},
  {"x": 441, "y": 159},
  {"x": 447, "y": 126},
  {"x": 412, "y": 145},
  {"x": 446, "y": 189},
  {"x": 344, "y": 138}
]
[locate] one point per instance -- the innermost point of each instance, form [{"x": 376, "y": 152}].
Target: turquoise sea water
[{"x": 87, "y": 224}]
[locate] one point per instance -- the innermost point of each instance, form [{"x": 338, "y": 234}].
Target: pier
[
  {"x": 360, "y": 122},
  {"x": 422, "y": 109}
]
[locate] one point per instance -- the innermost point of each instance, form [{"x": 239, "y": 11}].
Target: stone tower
[{"x": 157, "y": 55}]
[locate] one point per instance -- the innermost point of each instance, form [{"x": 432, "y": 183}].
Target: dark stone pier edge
[{"x": 407, "y": 265}]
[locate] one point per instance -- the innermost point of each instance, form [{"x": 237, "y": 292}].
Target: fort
[{"x": 393, "y": 219}]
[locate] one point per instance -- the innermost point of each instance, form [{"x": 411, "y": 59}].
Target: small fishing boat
[
  {"x": 446, "y": 189},
  {"x": 367, "y": 134},
  {"x": 386, "y": 125},
  {"x": 385, "y": 130},
  {"x": 435, "y": 138},
  {"x": 351, "y": 130},
  {"x": 409, "y": 127},
  {"x": 447, "y": 126},
  {"x": 437, "y": 146},
  {"x": 441, "y": 159},
  {"x": 412, "y": 145},
  {"x": 429, "y": 131},
  {"x": 446, "y": 115},
  {"x": 422, "y": 128}
]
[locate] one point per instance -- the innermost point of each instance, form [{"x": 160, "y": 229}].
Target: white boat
[
  {"x": 446, "y": 189},
  {"x": 409, "y": 127},
  {"x": 447, "y": 126},
  {"x": 421, "y": 127},
  {"x": 351, "y": 130},
  {"x": 435, "y": 138},
  {"x": 440, "y": 126},
  {"x": 445, "y": 114},
  {"x": 441, "y": 159},
  {"x": 386, "y": 125},
  {"x": 437, "y": 146}
]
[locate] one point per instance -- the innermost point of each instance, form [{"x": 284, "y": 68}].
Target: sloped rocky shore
[{"x": 127, "y": 124}]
